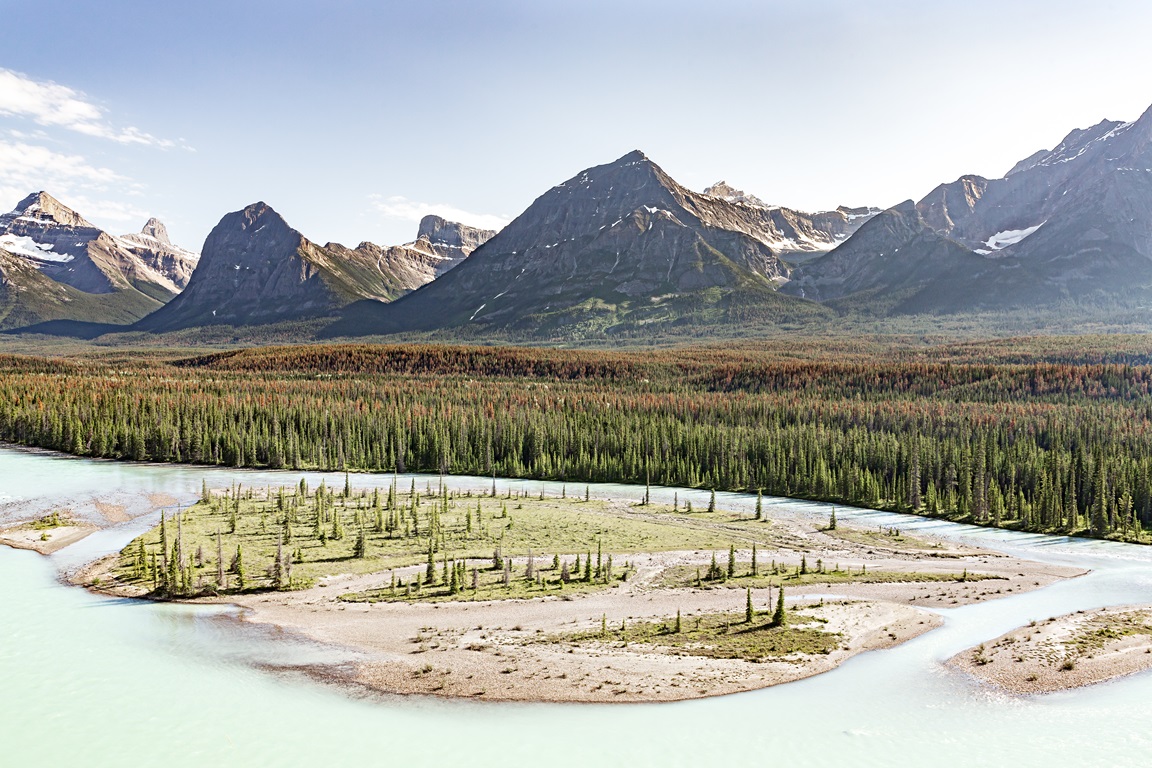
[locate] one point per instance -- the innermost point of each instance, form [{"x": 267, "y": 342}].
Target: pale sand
[
  {"x": 27, "y": 537},
  {"x": 1064, "y": 652},
  {"x": 494, "y": 651},
  {"x": 112, "y": 513}
]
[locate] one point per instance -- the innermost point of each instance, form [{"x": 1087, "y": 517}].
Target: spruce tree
[
  {"x": 238, "y": 568},
  {"x": 749, "y": 611},
  {"x": 220, "y": 579},
  {"x": 780, "y": 617}
]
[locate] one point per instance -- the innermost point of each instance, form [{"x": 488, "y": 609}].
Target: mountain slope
[
  {"x": 255, "y": 269},
  {"x": 1073, "y": 224},
  {"x": 152, "y": 246},
  {"x": 794, "y": 233},
  {"x": 618, "y": 243},
  {"x": 59, "y": 266},
  {"x": 439, "y": 246}
]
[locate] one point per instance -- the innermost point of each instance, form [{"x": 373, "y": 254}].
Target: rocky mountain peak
[
  {"x": 1075, "y": 144},
  {"x": 253, "y": 232},
  {"x": 440, "y": 231},
  {"x": 43, "y": 208},
  {"x": 726, "y": 191},
  {"x": 155, "y": 229}
]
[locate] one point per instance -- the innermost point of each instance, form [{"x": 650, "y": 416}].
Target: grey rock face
[
  {"x": 1072, "y": 223},
  {"x": 153, "y": 247},
  {"x": 621, "y": 233},
  {"x": 79, "y": 272},
  {"x": 790, "y": 231},
  {"x": 256, "y": 269},
  {"x": 726, "y": 191},
  {"x": 439, "y": 246}
]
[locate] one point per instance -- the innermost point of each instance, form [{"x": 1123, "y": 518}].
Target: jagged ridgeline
[
  {"x": 257, "y": 270},
  {"x": 1042, "y": 435},
  {"x": 55, "y": 265},
  {"x": 621, "y": 246},
  {"x": 1066, "y": 229}
]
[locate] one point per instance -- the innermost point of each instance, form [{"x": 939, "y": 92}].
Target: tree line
[{"x": 1040, "y": 446}]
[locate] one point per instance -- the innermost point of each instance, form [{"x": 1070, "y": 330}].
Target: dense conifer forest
[{"x": 1050, "y": 435}]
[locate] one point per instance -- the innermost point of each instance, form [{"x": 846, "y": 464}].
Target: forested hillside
[{"x": 1042, "y": 435}]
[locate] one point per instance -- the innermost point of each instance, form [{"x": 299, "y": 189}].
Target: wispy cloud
[
  {"x": 26, "y": 168},
  {"x": 58, "y": 106},
  {"x": 31, "y": 165},
  {"x": 402, "y": 208}
]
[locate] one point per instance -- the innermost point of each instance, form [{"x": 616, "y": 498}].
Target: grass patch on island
[
  {"x": 245, "y": 539},
  {"x": 717, "y": 636}
]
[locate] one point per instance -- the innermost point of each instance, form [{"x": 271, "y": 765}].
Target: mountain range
[
  {"x": 619, "y": 244},
  {"x": 256, "y": 270},
  {"x": 623, "y": 248},
  {"x": 1067, "y": 226},
  {"x": 56, "y": 265}
]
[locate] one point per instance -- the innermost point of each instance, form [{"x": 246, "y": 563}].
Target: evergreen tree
[
  {"x": 238, "y": 568},
  {"x": 221, "y": 583},
  {"x": 780, "y": 617}
]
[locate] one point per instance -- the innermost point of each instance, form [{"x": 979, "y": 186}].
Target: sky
[{"x": 354, "y": 119}]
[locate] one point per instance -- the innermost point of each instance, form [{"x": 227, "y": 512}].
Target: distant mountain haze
[
  {"x": 623, "y": 248},
  {"x": 1069, "y": 224}
]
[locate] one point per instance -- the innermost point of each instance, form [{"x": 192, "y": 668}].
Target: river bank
[
  {"x": 865, "y": 590},
  {"x": 1064, "y": 652}
]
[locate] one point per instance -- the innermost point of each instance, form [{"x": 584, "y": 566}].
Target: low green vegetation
[
  {"x": 481, "y": 580},
  {"x": 1108, "y": 627},
  {"x": 888, "y": 538},
  {"x": 50, "y": 520},
  {"x": 796, "y": 575},
  {"x": 756, "y": 638},
  {"x": 288, "y": 538}
]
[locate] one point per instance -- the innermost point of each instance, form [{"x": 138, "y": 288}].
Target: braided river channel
[{"x": 87, "y": 680}]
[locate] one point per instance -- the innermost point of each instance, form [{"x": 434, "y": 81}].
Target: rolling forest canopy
[{"x": 1045, "y": 434}]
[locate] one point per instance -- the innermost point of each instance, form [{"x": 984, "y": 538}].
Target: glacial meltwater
[{"x": 92, "y": 681}]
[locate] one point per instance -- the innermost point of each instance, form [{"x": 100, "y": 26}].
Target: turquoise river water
[{"x": 91, "y": 681}]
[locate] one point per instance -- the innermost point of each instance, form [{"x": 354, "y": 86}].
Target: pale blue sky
[{"x": 331, "y": 110}]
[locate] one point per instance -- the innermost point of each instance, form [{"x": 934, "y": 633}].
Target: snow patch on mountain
[
  {"x": 22, "y": 245},
  {"x": 1008, "y": 237}
]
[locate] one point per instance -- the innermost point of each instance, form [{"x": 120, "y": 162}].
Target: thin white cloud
[
  {"x": 58, "y": 106},
  {"x": 402, "y": 208},
  {"x": 31, "y": 165},
  {"x": 114, "y": 211},
  {"x": 27, "y": 168}
]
